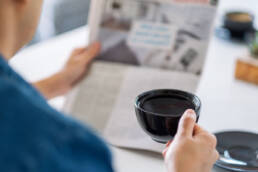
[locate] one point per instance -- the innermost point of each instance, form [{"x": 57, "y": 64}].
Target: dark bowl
[
  {"x": 163, "y": 127},
  {"x": 239, "y": 23}
]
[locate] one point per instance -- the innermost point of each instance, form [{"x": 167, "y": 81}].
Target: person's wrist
[
  {"x": 53, "y": 86},
  {"x": 60, "y": 84}
]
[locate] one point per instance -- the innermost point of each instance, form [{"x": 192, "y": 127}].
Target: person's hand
[
  {"x": 72, "y": 73},
  {"x": 193, "y": 149},
  {"x": 78, "y": 64}
]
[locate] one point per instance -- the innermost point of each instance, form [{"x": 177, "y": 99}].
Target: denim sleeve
[{"x": 35, "y": 137}]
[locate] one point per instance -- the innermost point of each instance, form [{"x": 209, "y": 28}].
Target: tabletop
[{"x": 228, "y": 104}]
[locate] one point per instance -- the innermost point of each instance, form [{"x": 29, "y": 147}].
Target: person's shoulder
[
  {"x": 14, "y": 101},
  {"x": 36, "y": 122},
  {"x": 8, "y": 88}
]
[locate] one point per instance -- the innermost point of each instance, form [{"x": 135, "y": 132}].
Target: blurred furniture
[
  {"x": 247, "y": 69},
  {"x": 227, "y": 103},
  {"x": 60, "y": 16},
  {"x": 69, "y": 14}
]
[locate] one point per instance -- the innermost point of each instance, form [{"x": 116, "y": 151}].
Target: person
[{"x": 35, "y": 137}]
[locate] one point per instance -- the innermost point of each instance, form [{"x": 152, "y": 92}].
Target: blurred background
[{"x": 59, "y": 16}]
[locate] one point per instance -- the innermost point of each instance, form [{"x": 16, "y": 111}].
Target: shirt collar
[
  {"x": 6, "y": 70},
  {"x": 3, "y": 64}
]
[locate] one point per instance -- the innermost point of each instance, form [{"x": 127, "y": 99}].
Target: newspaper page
[
  {"x": 105, "y": 100},
  {"x": 92, "y": 101},
  {"x": 123, "y": 129},
  {"x": 167, "y": 34}
]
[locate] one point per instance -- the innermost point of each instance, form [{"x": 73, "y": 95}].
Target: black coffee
[{"x": 167, "y": 105}]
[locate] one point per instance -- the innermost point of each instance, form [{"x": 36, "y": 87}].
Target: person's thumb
[
  {"x": 186, "y": 124},
  {"x": 91, "y": 52}
]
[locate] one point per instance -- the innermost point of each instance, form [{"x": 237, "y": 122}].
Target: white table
[{"x": 227, "y": 103}]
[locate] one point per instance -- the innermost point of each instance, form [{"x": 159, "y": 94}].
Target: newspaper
[
  {"x": 146, "y": 44},
  {"x": 167, "y": 34},
  {"x": 105, "y": 100}
]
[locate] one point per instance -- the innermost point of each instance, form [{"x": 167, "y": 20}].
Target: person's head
[{"x": 18, "y": 23}]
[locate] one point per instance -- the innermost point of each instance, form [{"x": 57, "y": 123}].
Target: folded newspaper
[{"x": 146, "y": 44}]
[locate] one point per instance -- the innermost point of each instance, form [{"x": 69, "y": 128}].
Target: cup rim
[
  {"x": 228, "y": 13},
  {"x": 146, "y": 93}
]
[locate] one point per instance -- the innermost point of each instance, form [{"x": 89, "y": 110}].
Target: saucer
[{"x": 238, "y": 151}]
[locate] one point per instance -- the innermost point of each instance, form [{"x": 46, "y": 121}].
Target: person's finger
[
  {"x": 165, "y": 152},
  {"x": 167, "y": 147},
  {"x": 168, "y": 143},
  {"x": 91, "y": 52},
  {"x": 187, "y": 123},
  {"x": 78, "y": 51},
  {"x": 197, "y": 130},
  {"x": 209, "y": 138},
  {"x": 216, "y": 155}
]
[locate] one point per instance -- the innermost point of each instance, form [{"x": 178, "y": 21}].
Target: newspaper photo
[{"x": 155, "y": 33}]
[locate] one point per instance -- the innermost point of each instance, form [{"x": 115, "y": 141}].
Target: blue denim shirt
[{"x": 36, "y": 138}]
